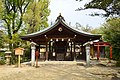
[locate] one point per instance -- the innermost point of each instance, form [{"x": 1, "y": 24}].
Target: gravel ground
[{"x": 59, "y": 72}]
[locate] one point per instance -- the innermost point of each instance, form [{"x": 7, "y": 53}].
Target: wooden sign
[
  {"x": 19, "y": 51},
  {"x": 42, "y": 50}
]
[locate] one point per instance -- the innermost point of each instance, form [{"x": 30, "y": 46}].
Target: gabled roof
[{"x": 61, "y": 20}]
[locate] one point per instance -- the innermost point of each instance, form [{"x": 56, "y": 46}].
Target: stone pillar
[
  {"x": 33, "y": 53},
  {"x": 87, "y": 55}
]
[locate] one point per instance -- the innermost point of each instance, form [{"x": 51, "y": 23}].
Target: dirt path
[{"x": 59, "y": 72}]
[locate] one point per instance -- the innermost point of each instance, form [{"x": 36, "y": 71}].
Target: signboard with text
[{"x": 19, "y": 51}]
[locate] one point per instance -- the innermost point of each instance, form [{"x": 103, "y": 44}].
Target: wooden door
[{"x": 60, "y": 50}]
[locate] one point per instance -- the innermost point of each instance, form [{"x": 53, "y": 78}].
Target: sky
[{"x": 67, "y": 9}]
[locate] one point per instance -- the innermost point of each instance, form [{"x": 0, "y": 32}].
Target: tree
[
  {"x": 1, "y": 8},
  {"x": 111, "y": 31},
  {"x": 111, "y": 7},
  {"x": 86, "y": 28},
  {"x": 36, "y": 16},
  {"x": 98, "y": 30},
  {"x": 12, "y": 12}
]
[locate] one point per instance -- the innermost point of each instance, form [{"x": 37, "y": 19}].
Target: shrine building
[{"x": 60, "y": 42}]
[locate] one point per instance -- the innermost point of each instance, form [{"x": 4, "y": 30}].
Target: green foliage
[
  {"x": 1, "y": 8},
  {"x": 36, "y": 16},
  {"x": 97, "y": 31},
  {"x": 16, "y": 40},
  {"x": 111, "y": 31},
  {"x": 11, "y": 12},
  {"x": 15, "y": 14},
  {"x": 12, "y": 15},
  {"x": 27, "y": 54},
  {"x": 111, "y": 7},
  {"x": 118, "y": 63},
  {"x": 2, "y": 54},
  {"x": 1, "y": 39},
  {"x": 2, "y": 62},
  {"x": 86, "y": 28}
]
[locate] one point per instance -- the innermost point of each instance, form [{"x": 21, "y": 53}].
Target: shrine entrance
[{"x": 60, "y": 50}]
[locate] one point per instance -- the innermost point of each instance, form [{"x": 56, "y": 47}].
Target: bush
[
  {"x": 2, "y": 62},
  {"x": 2, "y": 54},
  {"x": 118, "y": 63}
]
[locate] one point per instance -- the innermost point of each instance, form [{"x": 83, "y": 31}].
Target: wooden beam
[
  {"x": 98, "y": 52},
  {"x": 101, "y": 45}
]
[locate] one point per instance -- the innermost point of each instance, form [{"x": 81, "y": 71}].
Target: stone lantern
[{"x": 8, "y": 56}]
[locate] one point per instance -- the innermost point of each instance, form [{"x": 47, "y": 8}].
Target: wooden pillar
[
  {"x": 46, "y": 51},
  {"x": 40, "y": 52},
  {"x": 98, "y": 52},
  {"x": 71, "y": 52},
  {"x": 37, "y": 55},
  {"x": 74, "y": 53},
  {"x": 104, "y": 51},
  {"x": 50, "y": 46},
  {"x": 19, "y": 61},
  {"x": 50, "y": 50},
  {"x": 83, "y": 52},
  {"x": 110, "y": 52},
  {"x": 92, "y": 50}
]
